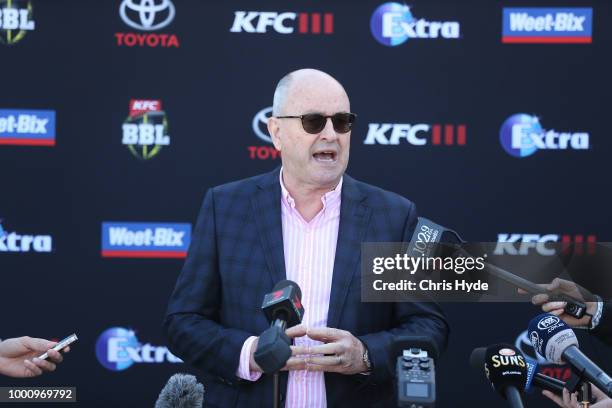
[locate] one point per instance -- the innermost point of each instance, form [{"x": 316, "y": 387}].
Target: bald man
[{"x": 305, "y": 222}]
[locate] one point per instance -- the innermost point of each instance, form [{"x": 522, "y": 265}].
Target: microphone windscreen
[
  {"x": 477, "y": 358},
  {"x": 181, "y": 391},
  {"x": 284, "y": 283},
  {"x": 550, "y": 336},
  {"x": 505, "y": 366}
]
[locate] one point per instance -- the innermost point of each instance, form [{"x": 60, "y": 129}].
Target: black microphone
[
  {"x": 283, "y": 308},
  {"x": 506, "y": 369},
  {"x": 534, "y": 379},
  {"x": 430, "y": 239},
  {"x": 556, "y": 342},
  {"x": 181, "y": 391}
]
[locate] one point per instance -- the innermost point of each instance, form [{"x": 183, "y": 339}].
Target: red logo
[{"x": 278, "y": 294}]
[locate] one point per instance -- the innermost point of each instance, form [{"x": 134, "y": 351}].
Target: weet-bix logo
[
  {"x": 547, "y": 25},
  {"x": 145, "y": 240},
  {"x": 27, "y": 127}
]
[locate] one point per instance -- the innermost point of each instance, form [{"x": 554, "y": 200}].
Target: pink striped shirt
[{"x": 310, "y": 250}]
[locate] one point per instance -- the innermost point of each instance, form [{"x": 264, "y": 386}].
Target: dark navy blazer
[{"x": 236, "y": 257}]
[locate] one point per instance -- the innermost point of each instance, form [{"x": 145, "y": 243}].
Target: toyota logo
[
  {"x": 260, "y": 124},
  {"x": 147, "y": 15}
]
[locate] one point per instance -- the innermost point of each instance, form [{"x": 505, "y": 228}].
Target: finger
[
  {"x": 553, "y": 397},
  {"x": 66, "y": 349},
  {"x": 539, "y": 299},
  {"x": 38, "y": 344},
  {"x": 324, "y": 334},
  {"x": 296, "y": 331},
  {"x": 557, "y": 312},
  {"x": 327, "y": 361},
  {"x": 566, "y": 398},
  {"x": 43, "y": 364},
  {"x": 299, "y": 350},
  {"x": 31, "y": 368},
  {"x": 550, "y": 306},
  {"x": 327, "y": 348},
  {"x": 574, "y": 399},
  {"x": 55, "y": 356},
  {"x": 294, "y": 363}
]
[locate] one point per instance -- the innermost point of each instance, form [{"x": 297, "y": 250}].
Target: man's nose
[{"x": 328, "y": 132}]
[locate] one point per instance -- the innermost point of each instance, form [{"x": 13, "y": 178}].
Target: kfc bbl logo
[
  {"x": 145, "y": 131},
  {"x": 15, "y": 20}
]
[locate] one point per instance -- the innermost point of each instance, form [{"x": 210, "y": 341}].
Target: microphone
[
  {"x": 430, "y": 239},
  {"x": 283, "y": 308},
  {"x": 181, "y": 391},
  {"x": 557, "y": 342},
  {"x": 534, "y": 379},
  {"x": 543, "y": 382},
  {"x": 506, "y": 369}
]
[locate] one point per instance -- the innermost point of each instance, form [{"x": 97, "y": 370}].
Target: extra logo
[
  {"x": 15, "y": 20},
  {"x": 145, "y": 240},
  {"x": 521, "y": 135},
  {"x": 393, "y": 24},
  {"x": 547, "y": 25},
  {"x": 544, "y": 244},
  {"x": 282, "y": 23},
  {"x": 260, "y": 128},
  {"x": 419, "y": 134},
  {"x": 147, "y": 16},
  {"x": 16, "y": 242},
  {"x": 145, "y": 131},
  {"x": 118, "y": 348},
  {"x": 27, "y": 127}
]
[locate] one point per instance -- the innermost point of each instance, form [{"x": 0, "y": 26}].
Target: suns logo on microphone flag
[{"x": 145, "y": 240}]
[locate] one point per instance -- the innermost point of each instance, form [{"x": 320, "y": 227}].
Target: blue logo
[
  {"x": 522, "y": 135},
  {"x": 547, "y": 25},
  {"x": 145, "y": 240},
  {"x": 27, "y": 127},
  {"x": 393, "y": 24},
  {"x": 118, "y": 349}
]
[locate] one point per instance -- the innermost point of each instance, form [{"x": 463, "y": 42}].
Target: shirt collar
[{"x": 330, "y": 198}]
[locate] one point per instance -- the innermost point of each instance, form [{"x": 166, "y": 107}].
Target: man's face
[{"x": 317, "y": 160}]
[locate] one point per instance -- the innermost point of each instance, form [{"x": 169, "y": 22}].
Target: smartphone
[{"x": 61, "y": 345}]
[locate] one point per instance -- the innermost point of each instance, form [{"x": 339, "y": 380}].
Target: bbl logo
[
  {"x": 15, "y": 20},
  {"x": 145, "y": 131}
]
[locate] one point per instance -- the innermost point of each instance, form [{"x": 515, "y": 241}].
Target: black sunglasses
[{"x": 315, "y": 122}]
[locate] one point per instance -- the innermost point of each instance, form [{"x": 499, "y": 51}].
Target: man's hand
[
  {"x": 562, "y": 286},
  {"x": 571, "y": 400},
  {"x": 18, "y": 357},
  {"x": 342, "y": 352}
]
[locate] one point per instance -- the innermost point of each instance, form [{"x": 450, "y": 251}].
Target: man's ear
[{"x": 274, "y": 130}]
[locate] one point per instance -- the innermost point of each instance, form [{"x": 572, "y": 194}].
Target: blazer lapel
[
  {"x": 354, "y": 218},
  {"x": 267, "y": 213}
]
